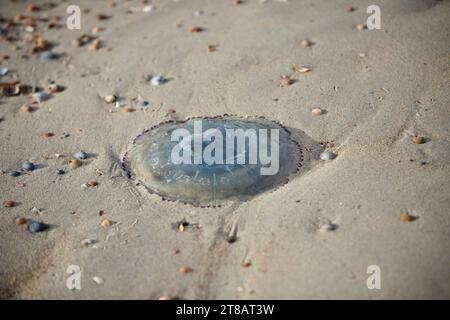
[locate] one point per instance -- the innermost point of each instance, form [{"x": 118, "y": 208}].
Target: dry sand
[{"x": 375, "y": 103}]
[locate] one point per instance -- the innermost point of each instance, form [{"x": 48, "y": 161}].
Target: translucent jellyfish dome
[{"x": 206, "y": 161}]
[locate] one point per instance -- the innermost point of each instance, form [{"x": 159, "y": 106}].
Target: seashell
[
  {"x": 49, "y": 55},
  {"x": 20, "y": 221},
  {"x": 419, "y": 140},
  {"x": 4, "y": 71},
  {"x": 185, "y": 270},
  {"x": 360, "y": 26},
  {"x": 54, "y": 88},
  {"x": 317, "y": 111},
  {"x": 36, "y": 227},
  {"x": 80, "y": 155},
  {"x": 98, "y": 280},
  {"x": 40, "y": 97},
  {"x": 92, "y": 183},
  {"x": 10, "y": 89},
  {"x": 75, "y": 163},
  {"x": 107, "y": 223},
  {"x": 328, "y": 227},
  {"x": 300, "y": 69},
  {"x": 9, "y": 204},
  {"x": 196, "y": 29},
  {"x": 14, "y": 173},
  {"x": 110, "y": 99},
  {"x": 157, "y": 80},
  {"x": 306, "y": 43},
  {"x": 28, "y": 166},
  {"x": 147, "y": 9},
  {"x": 87, "y": 242},
  {"x": 25, "y": 108},
  {"x": 406, "y": 217},
  {"x": 128, "y": 108},
  {"x": 286, "y": 81},
  {"x": 327, "y": 156}
]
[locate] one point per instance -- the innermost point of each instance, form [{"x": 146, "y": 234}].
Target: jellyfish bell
[{"x": 213, "y": 160}]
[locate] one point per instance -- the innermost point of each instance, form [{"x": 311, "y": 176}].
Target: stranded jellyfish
[{"x": 206, "y": 161}]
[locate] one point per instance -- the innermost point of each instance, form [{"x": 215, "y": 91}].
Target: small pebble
[
  {"x": 20, "y": 221},
  {"x": 80, "y": 155},
  {"x": 60, "y": 172},
  {"x": 406, "y": 217},
  {"x": 28, "y": 166},
  {"x": 361, "y": 26},
  {"x": 75, "y": 163},
  {"x": 36, "y": 227},
  {"x": 317, "y": 111},
  {"x": 198, "y": 13},
  {"x": 98, "y": 280},
  {"x": 328, "y": 227},
  {"x": 48, "y": 134},
  {"x": 158, "y": 80},
  {"x": 9, "y": 204},
  {"x": 14, "y": 173},
  {"x": 327, "y": 156},
  {"x": 419, "y": 140}
]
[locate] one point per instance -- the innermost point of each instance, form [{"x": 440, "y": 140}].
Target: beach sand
[{"x": 379, "y": 88}]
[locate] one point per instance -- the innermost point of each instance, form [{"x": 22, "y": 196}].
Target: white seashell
[
  {"x": 147, "y": 9},
  {"x": 317, "y": 111},
  {"x": 328, "y": 227},
  {"x": 98, "y": 280},
  {"x": 4, "y": 71},
  {"x": 110, "y": 98},
  {"x": 158, "y": 80},
  {"x": 327, "y": 156}
]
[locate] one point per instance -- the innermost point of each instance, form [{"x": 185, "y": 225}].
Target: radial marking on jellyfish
[{"x": 149, "y": 161}]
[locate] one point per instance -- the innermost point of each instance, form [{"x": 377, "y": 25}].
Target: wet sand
[{"x": 379, "y": 88}]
